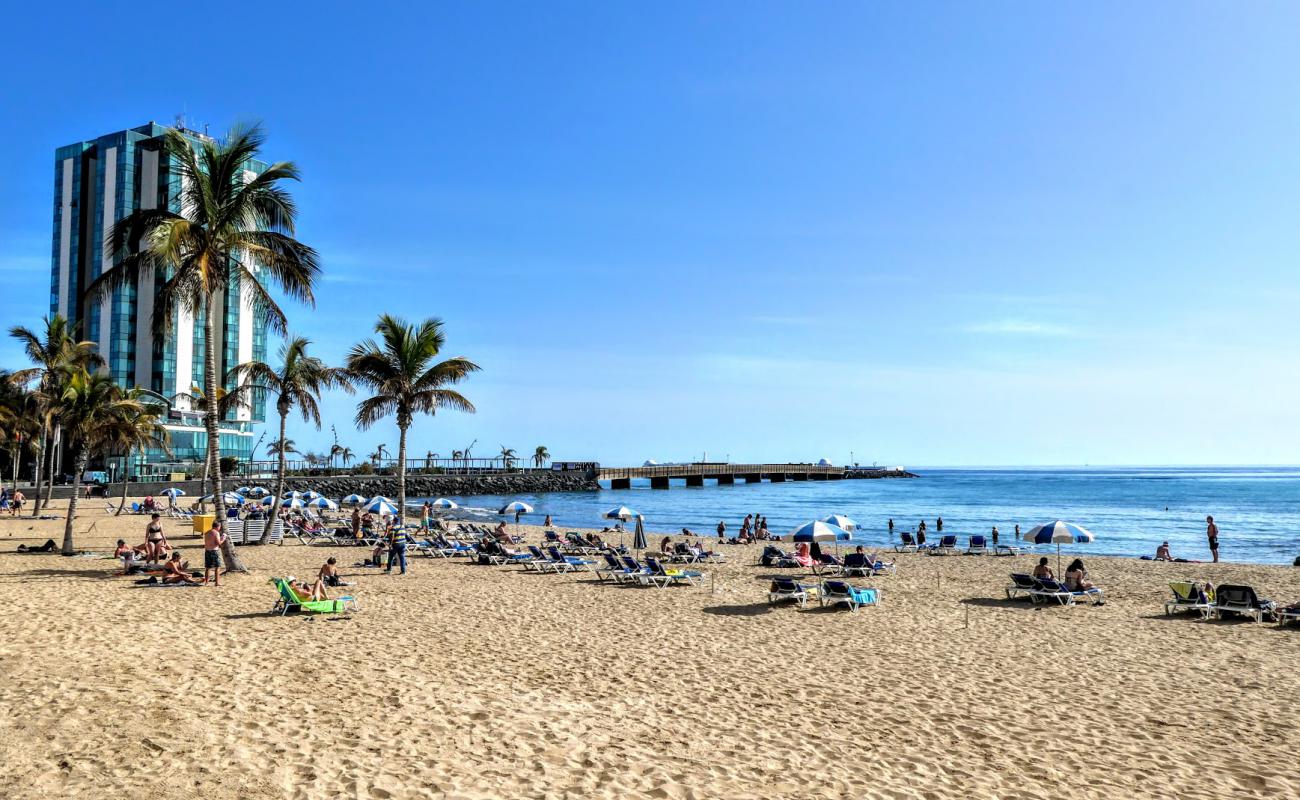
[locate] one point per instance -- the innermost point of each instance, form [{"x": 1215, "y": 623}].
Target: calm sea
[{"x": 1130, "y": 510}]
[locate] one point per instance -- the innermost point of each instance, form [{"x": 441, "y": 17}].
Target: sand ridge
[{"x": 467, "y": 681}]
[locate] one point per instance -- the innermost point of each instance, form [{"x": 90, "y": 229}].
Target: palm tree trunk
[
  {"x": 54, "y": 456},
  {"x": 212, "y": 421},
  {"x": 126, "y": 461},
  {"x": 401, "y": 472},
  {"x": 79, "y": 460},
  {"x": 38, "y": 471},
  {"x": 279, "y": 483}
]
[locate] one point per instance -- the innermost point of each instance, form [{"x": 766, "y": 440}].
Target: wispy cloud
[{"x": 1020, "y": 327}]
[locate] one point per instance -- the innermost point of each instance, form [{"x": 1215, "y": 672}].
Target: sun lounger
[
  {"x": 1046, "y": 589},
  {"x": 906, "y": 543},
  {"x": 1288, "y": 615},
  {"x": 614, "y": 569},
  {"x": 1236, "y": 599},
  {"x": 946, "y": 546},
  {"x": 858, "y": 565},
  {"x": 789, "y": 589},
  {"x": 1190, "y": 596},
  {"x": 775, "y": 557},
  {"x": 574, "y": 564},
  {"x": 1006, "y": 550},
  {"x": 663, "y": 578},
  {"x": 828, "y": 564},
  {"x": 636, "y": 571},
  {"x": 977, "y": 546},
  {"x": 290, "y": 600},
  {"x": 844, "y": 593},
  {"x": 1021, "y": 586}
]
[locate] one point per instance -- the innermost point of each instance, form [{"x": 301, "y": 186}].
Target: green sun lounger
[{"x": 291, "y": 601}]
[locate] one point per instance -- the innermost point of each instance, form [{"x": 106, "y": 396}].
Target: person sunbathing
[
  {"x": 803, "y": 554},
  {"x": 175, "y": 572},
  {"x": 1076, "y": 577},
  {"x": 1162, "y": 552},
  {"x": 666, "y": 546},
  {"x": 1042, "y": 571}
]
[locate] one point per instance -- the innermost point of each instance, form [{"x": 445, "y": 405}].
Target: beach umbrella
[
  {"x": 377, "y": 497},
  {"x": 840, "y": 521},
  {"x": 444, "y": 503},
  {"x": 1059, "y": 533},
  {"x": 292, "y": 502},
  {"x": 310, "y": 495},
  {"x": 294, "y": 495},
  {"x": 229, "y": 498},
  {"x": 258, "y": 491},
  {"x": 380, "y": 505},
  {"x": 819, "y": 531},
  {"x": 323, "y": 503},
  {"x": 518, "y": 508},
  {"x": 172, "y": 491},
  {"x": 243, "y": 490},
  {"x": 638, "y": 538},
  {"x": 353, "y": 500},
  {"x": 622, "y": 514}
]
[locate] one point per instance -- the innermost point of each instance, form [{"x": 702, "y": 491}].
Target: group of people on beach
[
  {"x": 753, "y": 528},
  {"x": 153, "y": 556},
  {"x": 13, "y": 503}
]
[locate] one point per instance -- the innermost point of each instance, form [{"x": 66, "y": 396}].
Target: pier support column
[
  {"x": 799, "y": 476},
  {"x": 836, "y": 476},
  {"x": 620, "y": 483},
  {"x": 777, "y": 477},
  {"x": 694, "y": 480},
  {"x": 726, "y": 480},
  {"x": 753, "y": 478},
  {"x": 658, "y": 483},
  {"x": 819, "y": 476}
]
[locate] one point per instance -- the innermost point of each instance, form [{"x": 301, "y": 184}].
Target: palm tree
[
  {"x": 335, "y": 450},
  {"x": 381, "y": 452},
  {"x": 406, "y": 380},
  {"x": 18, "y": 422},
  {"x": 231, "y": 231},
  {"x": 297, "y": 382},
  {"x": 346, "y": 455},
  {"x": 540, "y": 456},
  {"x": 275, "y": 448},
  {"x": 135, "y": 429},
  {"x": 508, "y": 456},
  {"x": 89, "y": 409},
  {"x": 54, "y": 351},
  {"x": 227, "y": 400}
]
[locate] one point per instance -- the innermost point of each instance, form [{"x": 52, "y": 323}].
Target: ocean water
[{"x": 1130, "y": 510}]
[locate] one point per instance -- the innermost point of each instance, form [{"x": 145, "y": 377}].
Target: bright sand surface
[{"x": 466, "y": 681}]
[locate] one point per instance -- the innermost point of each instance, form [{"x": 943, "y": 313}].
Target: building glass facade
[{"x": 97, "y": 183}]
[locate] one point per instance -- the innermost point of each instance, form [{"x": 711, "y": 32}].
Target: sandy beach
[{"x": 459, "y": 681}]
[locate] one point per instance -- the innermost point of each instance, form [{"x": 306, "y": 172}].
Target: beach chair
[
  {"x": 1046, "y": 589},
  {"x": 614, "y": 569},
  {"x": 565, "y": 563},
  {"x": 683, "y": 554},
  {"x": 290, "y": 600},
  {"x": 635, "y": 570},
  {"x": 775, "y": 557},
  {"x": 1021, "y": 585},
  {"x": 828, "y": 564},
  {"x": 1239, "y": 599},
  {"x": 1190, "y": 596},
  {"x": 1006, "y": 550},
  {"x": 783, "y": 589},
  {"x": 906, "y": 543},
  {"x": 977, "y": 545},
  {"x": 845, "y": 593},
  {"x": 946, "y": 546},
  {"x": 1287, "y": 615},
  {"x": 663, "y": 578}
]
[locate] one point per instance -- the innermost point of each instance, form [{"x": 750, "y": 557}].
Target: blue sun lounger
[
  {"x": 906, "y": 543},
  {"x": 844, "y": 593},
  {"x": 789, "y": 589},
  {"x": 663, "y": 578},
  {"x": 977, "y": 545},
  {"x": 565, "y": 563}
]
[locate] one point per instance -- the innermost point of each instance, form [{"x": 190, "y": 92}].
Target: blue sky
[{"x": 924, "y": 233}]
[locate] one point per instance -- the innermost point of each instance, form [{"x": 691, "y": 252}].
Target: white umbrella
[
  {"x": 310, "y": 495},
  {"x": 819, "y": 531},
  {"x": 229, "y": 498},
  {"x": 292, "y": 502},
  {"x": 388, "y": 500},
  {"x": 243, "y": 490},
  {"x": 840, "y": 521},
  {"x": 295, "y": 495},
  {"x": 622, "y": 514},
  {"x": 1059, "y": 533},
  {"x": 258, "y": 491},
  {"x": 323, "y": 503},
  {"x": 517, "y": 508},
  {"x": 172, "y": 491},
  {"x": 443, "y": 502},
  {"x": 353, "y": 500}
]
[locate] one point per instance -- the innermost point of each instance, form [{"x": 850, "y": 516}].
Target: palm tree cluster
[{"x": 233, "y": 230}]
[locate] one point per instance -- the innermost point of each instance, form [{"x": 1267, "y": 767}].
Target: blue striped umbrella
[
  {"x": 353, "y": 500},
  {"x": 381, "y": 506},
  {"x": 1059, "y": 533},
  {"x": 172, "y": 491},
  {"x": 818, "y": 531},
  {"x": 230, "y": 499},
  {"x": 292, "y": 502},
  {"x": 323, "y": 503},
  {"x": 443, "y": 502},
  {"x": 243, "y": 490},
  {"x": 311, "y": 495},
  {"x": 379, "y": 497},
  {"x": 258, "y": 491},
  {"x": 840, "y": 521}
]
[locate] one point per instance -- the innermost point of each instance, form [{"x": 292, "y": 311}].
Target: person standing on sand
[
  {"x": 1212, "y": 533},
  {"x": 356, "y": 523},
  {"x": 212, "y": 541},
  {"x": 397, "y": 549},
  {"x": 16, "y": 504}
]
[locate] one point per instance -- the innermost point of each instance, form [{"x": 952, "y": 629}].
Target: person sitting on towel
[
  {"x": 1162, "y": 552},
  {"x": 175, "y": 572},
  {"x": 1076, "y": 577},
  {"x": 803, "y": 554}
]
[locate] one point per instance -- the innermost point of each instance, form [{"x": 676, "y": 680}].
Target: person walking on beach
[
  {"x": 212, "y": 541},
  {"x": 397, "y": 549},
  {"x": 16, "y": 504},
  {"x": 425, "y": 511},
  {"x": 1212, "y": 533}
]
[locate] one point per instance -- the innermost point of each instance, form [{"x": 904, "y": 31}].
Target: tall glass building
[{"x": 96, "y": 184}]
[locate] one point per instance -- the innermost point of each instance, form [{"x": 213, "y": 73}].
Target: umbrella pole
[{"x": 1058, "y": 562}]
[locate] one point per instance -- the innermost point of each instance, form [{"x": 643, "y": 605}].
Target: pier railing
[{"x": 714, "y": 470}]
